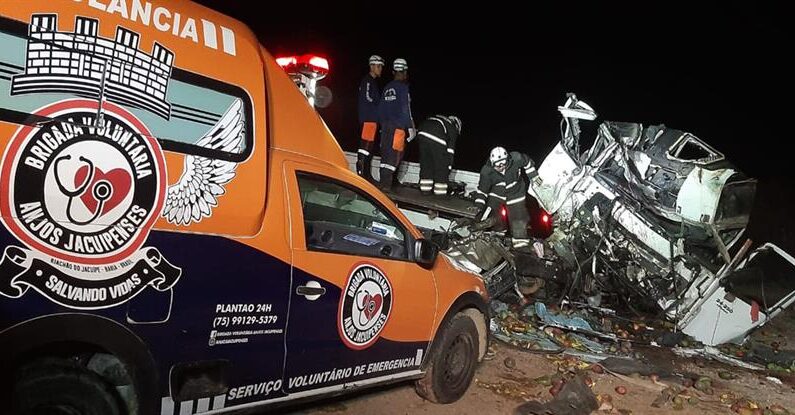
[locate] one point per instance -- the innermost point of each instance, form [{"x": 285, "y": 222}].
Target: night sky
[{"x": 718, "y": 70}]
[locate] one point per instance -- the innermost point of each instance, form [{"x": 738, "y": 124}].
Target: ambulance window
[{"x": 339, "y": 218}]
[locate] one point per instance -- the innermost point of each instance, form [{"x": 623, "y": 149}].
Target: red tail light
[
  {"x": 545, "y": 218},
  {"x": 504, "y": 212}
]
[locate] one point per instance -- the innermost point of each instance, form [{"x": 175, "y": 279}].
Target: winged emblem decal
[{"x": 194, "y": 195}]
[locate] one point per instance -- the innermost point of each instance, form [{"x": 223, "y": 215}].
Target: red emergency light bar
[
  {"x": 308, "y": 64},
  {"x": 286, "y": 61}
]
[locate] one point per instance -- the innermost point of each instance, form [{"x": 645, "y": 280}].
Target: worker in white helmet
[
  {"x": 397, "y": 125},
  {"x": 369, "y": 98},
  {"x": 504, "y": 181}
]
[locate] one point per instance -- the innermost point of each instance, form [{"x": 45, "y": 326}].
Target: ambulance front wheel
[
  {"x": 58, "y": 387},
  {"x": 453, "y": 362}
]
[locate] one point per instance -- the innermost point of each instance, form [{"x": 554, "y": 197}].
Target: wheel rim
[{"x": 458, "y": 361}]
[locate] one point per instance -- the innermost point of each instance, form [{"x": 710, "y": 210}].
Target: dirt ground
[{"x": 499, "y": 389}]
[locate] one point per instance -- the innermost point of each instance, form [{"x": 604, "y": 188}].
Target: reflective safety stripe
[
  {"x": 388, "y": 166},
  {"x": 486, "y": 213},
  {"x": 426, "y": 185},
  {"x": 364, "y": 152},
  {"x": 529, "y": 165},
  {"x": 497, "y": 196},
  {"x": 481, "y": 201},
  {"x": 439, "y": 120},
  {"x": 511, "y": 185},
  {"x": 451, "y": 151},
  {"x": 433, "y": 137},
  {"x": 514, "y": 201},
  {"x": 500, "y": 184},
  {"x": 519, "y": 243}
]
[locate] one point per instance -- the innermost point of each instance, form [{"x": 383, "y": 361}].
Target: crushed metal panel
[
  {"x": 728, "y": 316},
  {"x": 700, "y": 193}
]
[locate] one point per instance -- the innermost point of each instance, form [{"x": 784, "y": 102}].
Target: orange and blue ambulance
[{"x": 181, "y": 233}]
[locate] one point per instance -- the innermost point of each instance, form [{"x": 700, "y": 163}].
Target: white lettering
[
  {"x": 189, "y": 31},
  {"x": 175, "y": 28},
  {"x": 228, "y": 37},
  {"x": 169, "y": 21},
  {"x": 141, "y": 11},
  {"x": 159, "y": 13},
  {"x": 210, "y": 34},
  {"x": 96, "y": 4},
  {"x": 118, "y": 6}
]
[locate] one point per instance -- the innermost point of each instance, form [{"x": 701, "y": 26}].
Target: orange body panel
[{"x": 206, "y": 161}]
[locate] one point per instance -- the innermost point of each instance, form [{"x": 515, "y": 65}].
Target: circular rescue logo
[
  {"x": 364, "y": 307},
  {"x": 82, "y": 200},
  {"x": 79, "y": 193}
]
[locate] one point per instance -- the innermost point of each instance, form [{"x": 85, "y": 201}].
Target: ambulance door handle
[{"x": 312, "y": 290}]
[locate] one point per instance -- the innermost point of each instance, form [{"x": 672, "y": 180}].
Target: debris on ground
[
  {"x": 574, "y": 397},
  {"x": 589, "y": 344}
]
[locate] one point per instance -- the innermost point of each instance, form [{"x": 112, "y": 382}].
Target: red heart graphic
[
  {"x": 120, "y": 183},
  {"x": 372, "y": 305}
]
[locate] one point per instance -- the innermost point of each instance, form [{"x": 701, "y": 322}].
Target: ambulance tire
[
  {"x": 58, "y": 387},
  {"x": 453, "y": 362}
]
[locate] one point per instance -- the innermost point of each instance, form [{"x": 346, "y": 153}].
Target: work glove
[{"x": 412, "y": 132}]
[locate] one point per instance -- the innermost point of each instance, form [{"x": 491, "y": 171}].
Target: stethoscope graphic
[
  {"x": 101, "y": 191},
  {"x": 368, "y": 305}
]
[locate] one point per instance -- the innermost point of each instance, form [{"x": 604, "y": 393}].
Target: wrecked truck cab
[
  {"x": 658, "y": 213},
  {"x": 673, "y": 173}
]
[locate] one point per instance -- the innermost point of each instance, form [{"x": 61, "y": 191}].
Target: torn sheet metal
[
  {"x": 715, "y": 353},
  {"x": 654, "y": 215}
]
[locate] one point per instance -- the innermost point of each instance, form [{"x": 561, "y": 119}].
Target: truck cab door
[{"x": 361, "y": 310}]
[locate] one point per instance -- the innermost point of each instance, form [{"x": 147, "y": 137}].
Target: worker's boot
[{"x": 363, "y": 167}]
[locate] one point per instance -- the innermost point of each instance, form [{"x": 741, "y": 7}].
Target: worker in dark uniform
[
  {"x": 504, "y": 181},
  {"x": 396, "y": 123},
  {"x": 369, "y": 98},
  {"x": 437, "y": 136}
]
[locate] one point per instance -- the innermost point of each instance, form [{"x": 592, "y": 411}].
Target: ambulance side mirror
[
  {"x": 425, "y": 252},
  {"x": 323, "y": 96}
]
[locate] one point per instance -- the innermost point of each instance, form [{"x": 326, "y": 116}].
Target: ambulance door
[{"x": 361, "y": 310}]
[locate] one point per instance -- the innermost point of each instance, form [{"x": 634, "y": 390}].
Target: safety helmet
[
  {"x": 400, "y": 65},
  {"x": 498, "y": 158},
  {"x": 456, "y": 121},
  {"x": 376, "y": 60}
]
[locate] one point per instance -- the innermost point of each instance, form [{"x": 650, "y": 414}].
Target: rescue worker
[
  {"x": 396, "y": 123},
  {"x": 504, "y": 180},
  {"x": 437, "y": 136},
  {"x": 369, "y": 98}
]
